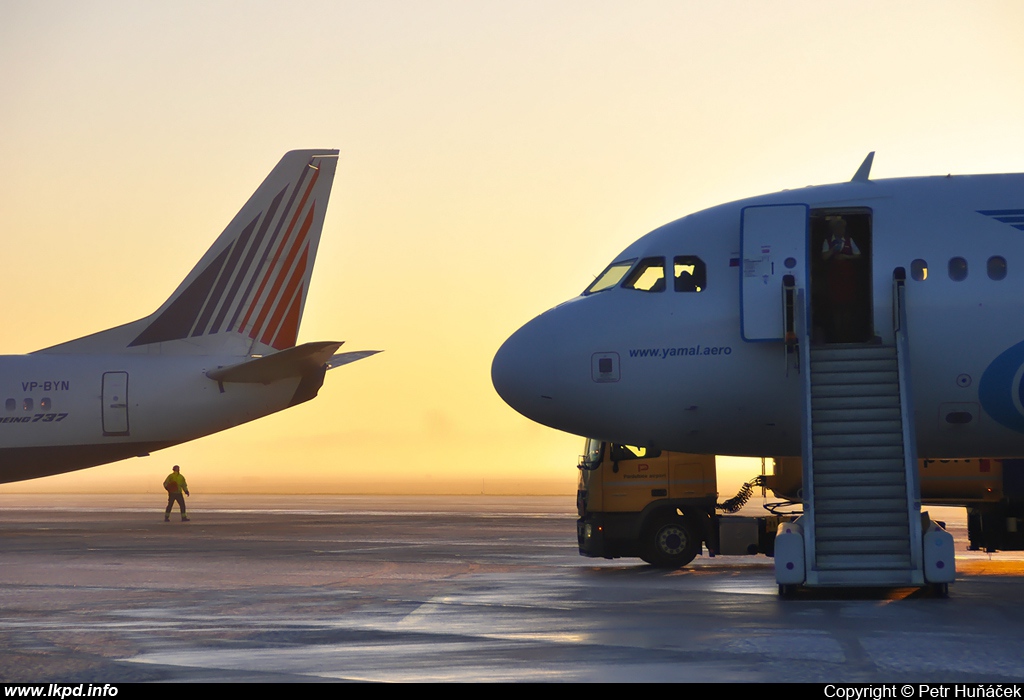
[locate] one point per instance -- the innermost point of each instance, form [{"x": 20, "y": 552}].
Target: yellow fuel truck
[{"x": 663, "y": 506}]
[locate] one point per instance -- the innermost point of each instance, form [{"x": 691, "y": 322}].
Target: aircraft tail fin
[{"x": 247, "y": 293}]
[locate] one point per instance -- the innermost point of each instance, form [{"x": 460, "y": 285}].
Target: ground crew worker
[
  {"x": 175, "y": 485},
  {"x": 842, "y": 256}
]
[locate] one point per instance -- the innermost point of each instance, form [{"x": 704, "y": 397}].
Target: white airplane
[
  {"x": 679, "y": 343},
  {"x": 858, "y": 326},
  {"x": 219, "y": 352}
]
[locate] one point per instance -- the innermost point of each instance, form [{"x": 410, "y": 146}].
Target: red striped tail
[{"x": 252, "y": 283}]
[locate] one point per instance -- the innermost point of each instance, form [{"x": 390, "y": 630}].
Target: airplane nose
[{"x": 522, "y": 371}]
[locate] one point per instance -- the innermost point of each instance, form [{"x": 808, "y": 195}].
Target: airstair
[
  {"x": 864, "y": 510},
  {"x": 862, "y": 522}
]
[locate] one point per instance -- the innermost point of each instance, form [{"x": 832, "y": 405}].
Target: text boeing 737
[
  {"x": 690, "y": 340},
  {"x": 219, "y": 352}
]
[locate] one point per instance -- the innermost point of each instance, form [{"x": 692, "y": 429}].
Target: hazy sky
[{"x": 495, "y": 156}]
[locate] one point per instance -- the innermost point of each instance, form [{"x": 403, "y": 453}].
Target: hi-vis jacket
[{"x": 175, "y": 482}]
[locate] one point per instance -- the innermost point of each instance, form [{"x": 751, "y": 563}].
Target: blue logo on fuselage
[{"x": 1001, "y": 390}]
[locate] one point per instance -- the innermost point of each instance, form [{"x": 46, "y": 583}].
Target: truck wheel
[{"x": 671, "y": 543}]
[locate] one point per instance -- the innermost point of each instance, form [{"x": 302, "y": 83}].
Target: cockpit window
[
  {"x": 647, "y": 276},
  {"x": 690, "y": 273},
  {"x": 612, "y": 275}
]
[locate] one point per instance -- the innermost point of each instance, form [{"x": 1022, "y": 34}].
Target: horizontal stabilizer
[
  {"x": 343, "y": 358},
  {"x": 293, "y": 362}
]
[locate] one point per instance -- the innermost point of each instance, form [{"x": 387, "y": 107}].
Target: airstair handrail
[
  {"x": 803, "y": 334},
  {"x": 899, "y": 302}
]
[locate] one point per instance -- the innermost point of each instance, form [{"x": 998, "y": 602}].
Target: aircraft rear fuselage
[{"x": 58, "y": 415}]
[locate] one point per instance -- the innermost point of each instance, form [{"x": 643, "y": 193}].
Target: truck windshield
[{"x": 591, "y": 457}]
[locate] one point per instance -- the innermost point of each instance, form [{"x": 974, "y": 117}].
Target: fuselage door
[
  {"x": 115, "y": 403},
  {"x": 773, "y": 243}
]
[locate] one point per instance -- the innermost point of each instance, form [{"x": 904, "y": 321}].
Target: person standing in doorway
[
  {"x": 177, "y": 489},
  {"x": 842, "y": 260}
]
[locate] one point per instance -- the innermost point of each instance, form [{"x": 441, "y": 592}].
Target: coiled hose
[{"x": 741, "y": 498}]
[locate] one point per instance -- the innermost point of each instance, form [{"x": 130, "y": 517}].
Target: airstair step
[
  {"x": 838, "y": 401},
  {"x": 859, "y": 478},
  {"x": 890, "y": 439},
  {"x": 890, "y": 389},
  {"x": 857, "y": 414},
  {"x": 848, "y": 427},
  {"x": 866, "y": 528},
  {"x": 859, "y": 378},
  {"x": 854, "y": 519},
  {"x": 868, "y": 506},
  {"x": 847, "y": 452},
  {"x": 832, "y": 533},
  {"x": 860, "y": 466},
  {"x": 840, "y": 352},
  {"x": 856, "y": 491},
  {"x": 854, "y": 365}
]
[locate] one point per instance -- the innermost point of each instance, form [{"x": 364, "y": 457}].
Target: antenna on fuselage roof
[{"x": 864, "y": 170}]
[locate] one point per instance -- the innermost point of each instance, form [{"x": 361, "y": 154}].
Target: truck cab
[{"x": 657, "y": 505}]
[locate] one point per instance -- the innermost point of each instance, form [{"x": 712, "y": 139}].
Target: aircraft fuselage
[
  {"x": 61, "y": 413},
  {"x": 644, "y": 363}
]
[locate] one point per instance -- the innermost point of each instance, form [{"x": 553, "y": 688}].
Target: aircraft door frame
[
  {"x": 114, "y": 403},
  {"x": 773, "y": 244},
  {"x": 842, "y": 300}
]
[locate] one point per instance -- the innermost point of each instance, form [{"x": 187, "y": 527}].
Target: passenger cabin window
[
  {"x": 647, "y": 276},
  {"x": 957, "y": 269},
  {"x": 44, "y": 404},
  {"x": 612, "y": 275},
  {"x": 27, "y": 404},
  {"x": 919, "y": 270},
  {"x": 690, "y": 273},
  {"x": 11, "y": 404},
  {"x": 997, "y": 268}
]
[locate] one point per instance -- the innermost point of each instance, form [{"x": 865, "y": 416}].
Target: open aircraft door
[
  {"x": 115, "y": 403},
  {"x": 773, "y": 243}
]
